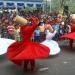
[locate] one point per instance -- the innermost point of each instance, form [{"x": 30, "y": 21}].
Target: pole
[
  {"x": 50, "y": 5},
  {"x": 46, "y": 6}
]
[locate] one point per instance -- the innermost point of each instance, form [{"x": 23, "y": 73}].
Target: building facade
[{"x": 21, "y": 4}]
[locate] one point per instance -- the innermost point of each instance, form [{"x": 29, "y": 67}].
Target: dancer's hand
[{"x": 49, "y": 27}]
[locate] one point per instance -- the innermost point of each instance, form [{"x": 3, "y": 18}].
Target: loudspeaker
[{"x": 66, "y": 10}]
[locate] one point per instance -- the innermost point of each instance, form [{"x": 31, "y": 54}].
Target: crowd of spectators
[{"x": 9, "y": 29}]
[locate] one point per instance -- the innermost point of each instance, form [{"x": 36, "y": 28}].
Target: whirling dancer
[
  {"x": 51, "y": 44},
  {"x": 71, "y": 35},
  {"x": 26, "y": 51}
]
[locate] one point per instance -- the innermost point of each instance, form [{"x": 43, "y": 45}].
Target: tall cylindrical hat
[{"x": 20, "y": 20}]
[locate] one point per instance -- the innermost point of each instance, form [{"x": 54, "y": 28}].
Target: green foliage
[{"x": 56, "y": 5}]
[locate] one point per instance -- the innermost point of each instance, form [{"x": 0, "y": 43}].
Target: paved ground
[{"x": 62, "y": 64}]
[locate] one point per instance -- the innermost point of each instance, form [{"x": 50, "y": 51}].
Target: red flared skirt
[
  {"x": 19, "y": 51},
  {"x": 69, "y": 36}
]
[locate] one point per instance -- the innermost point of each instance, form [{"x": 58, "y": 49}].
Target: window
[
  {"x": 1, "y": 4},
  {"x": 30, "y": 5},
  {"x": 10, "y": 5},
  {"x": 38, "y": 5},
  {"x": 20, "y": 5}
]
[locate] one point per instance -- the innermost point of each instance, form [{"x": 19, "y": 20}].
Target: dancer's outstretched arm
[
  {"x": 51, "y": 31},
  {"x": 49, "y": 27}
]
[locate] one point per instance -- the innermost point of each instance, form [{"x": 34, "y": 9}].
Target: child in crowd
[{"x": 37, "y": 35}]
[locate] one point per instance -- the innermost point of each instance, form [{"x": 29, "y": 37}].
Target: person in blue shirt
[
  {"x": 56, "y": 27},
  {"x": 37, "y": 35}
]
